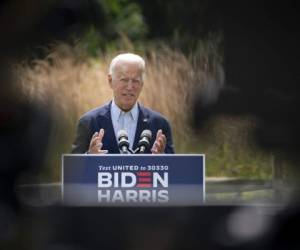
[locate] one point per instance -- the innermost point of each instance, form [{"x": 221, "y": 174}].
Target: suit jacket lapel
[
  {"x": 142, "y": 124},
  {"x": 109, "y": 136}
]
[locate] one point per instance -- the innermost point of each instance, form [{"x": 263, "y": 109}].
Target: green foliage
[
  {"x": 122, "y": 22},
  {"x": 123, "y": 17},
  {"x": 230, "y": 149}
]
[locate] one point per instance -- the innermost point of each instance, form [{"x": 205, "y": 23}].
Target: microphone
[
  {"x": 144, "y": 142},
  {"x": 123, "y": 142}
]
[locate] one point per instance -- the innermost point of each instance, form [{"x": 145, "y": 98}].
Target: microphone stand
[
  {"x": 133, "y": 151},
  {"x": 130, "y": 151}
]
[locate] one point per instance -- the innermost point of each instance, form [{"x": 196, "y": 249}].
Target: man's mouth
[{"x": 128, "y": 95}]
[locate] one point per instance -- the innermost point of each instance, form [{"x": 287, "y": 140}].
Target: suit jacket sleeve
[
  {"x": 168, "y": 133},
  {"x": 83, "y": 136}
]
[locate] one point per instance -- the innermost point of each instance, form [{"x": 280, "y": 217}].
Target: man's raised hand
[
  {"x": 96, "y": 143},
  {"x": 160, "y": 143}
]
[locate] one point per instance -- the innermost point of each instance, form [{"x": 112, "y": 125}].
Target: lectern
[{"x": 133, "y": 180}]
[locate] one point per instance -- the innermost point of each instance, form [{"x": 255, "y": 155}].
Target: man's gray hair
[{"x": 127, "y": 57}]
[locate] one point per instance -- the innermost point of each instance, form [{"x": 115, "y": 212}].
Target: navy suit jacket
[{"x": 100, "y": 117}]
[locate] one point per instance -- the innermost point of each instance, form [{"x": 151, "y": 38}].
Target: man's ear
[{"x": 109, "y": 77}]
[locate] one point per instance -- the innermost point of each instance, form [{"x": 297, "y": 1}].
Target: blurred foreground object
[
  {"x": 261, "y": 56},
  {"x": 259, "y": 62},
  {"x": 24, "y": 124}
]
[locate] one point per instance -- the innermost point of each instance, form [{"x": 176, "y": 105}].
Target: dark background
[{"x": 260, "y": 49}]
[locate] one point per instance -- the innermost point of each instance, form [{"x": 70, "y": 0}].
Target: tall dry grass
[{"x": 70, "y": 83}]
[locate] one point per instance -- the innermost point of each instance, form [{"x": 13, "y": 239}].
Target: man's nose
[{"x": 129, "y": 84}]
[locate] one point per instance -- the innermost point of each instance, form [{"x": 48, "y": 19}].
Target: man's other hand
[
  {"x": 96, "y": 143},
  {"x": 160, "y": 143}
]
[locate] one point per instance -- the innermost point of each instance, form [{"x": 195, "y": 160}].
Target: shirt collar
[{"x": 116, "y": 111}]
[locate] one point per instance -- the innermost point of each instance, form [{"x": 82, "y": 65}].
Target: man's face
[{"x": 126, "y": 84}]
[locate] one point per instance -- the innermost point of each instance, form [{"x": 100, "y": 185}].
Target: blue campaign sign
[{"x": 114, "y": 180}]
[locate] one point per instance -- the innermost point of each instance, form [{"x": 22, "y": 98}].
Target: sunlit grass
[{"x": 71, "y": 83}]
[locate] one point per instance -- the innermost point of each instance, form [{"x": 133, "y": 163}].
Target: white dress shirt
[{"x": 125, "y": 120}]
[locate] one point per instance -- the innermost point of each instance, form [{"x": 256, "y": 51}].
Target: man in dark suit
[{"x": 97, "y": 129}]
